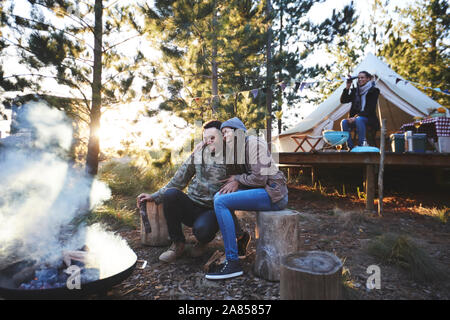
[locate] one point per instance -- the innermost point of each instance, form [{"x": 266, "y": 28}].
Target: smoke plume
[{"x": 42, "y": 194}]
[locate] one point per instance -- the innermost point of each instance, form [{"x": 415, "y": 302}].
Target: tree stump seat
[
  {"x": 276, "y": 236},
  {"x": 311, "y": 275},
  {"x": 159, "y": 235}
]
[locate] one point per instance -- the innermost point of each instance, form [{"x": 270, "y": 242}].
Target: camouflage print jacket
[{"x": 203, "y": 173}]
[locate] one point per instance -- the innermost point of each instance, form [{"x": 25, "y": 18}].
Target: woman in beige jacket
[{"x": 261, "y": 187}]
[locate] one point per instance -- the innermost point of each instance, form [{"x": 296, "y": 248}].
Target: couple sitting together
[{"x": 223, "y": 176}]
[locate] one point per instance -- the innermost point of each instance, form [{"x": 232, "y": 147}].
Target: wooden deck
[
  {"x": 368, "y": 159},
  {"x": 363, "y": 158}
]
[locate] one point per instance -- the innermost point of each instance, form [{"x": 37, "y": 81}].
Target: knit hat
[{"x": 234, "y": 123}]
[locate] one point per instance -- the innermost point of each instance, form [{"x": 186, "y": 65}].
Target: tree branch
[
  {"x": 119, "y": 43},
  {"x": 83, "y": 23},
  {"x": 50, "y": 26},
  {"x": 86, "y": 101}
]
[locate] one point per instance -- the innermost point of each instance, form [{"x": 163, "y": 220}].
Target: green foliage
[
  {"x": 419, "y": 50},
  {"x": 196, "y": 35},
  {"x": 55, "y": 41},
  {"x": 115, "y": 214},
  {"x": 292, "y": 28},
  {"x": 441, "y": 214},
  {"x": 361, "y": 194},
  {"x": 401, "y": 251},
  {"x": 126, "y": 181}
]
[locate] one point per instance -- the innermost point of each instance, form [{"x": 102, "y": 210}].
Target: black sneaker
[
  {"x": 229, "y": 269},
  {"x": 242, "y": 244}
]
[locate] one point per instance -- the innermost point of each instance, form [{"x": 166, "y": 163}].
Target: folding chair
[{"x": 312, "y": 141}]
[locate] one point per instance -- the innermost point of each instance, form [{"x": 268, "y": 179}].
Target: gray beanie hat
[{"x": 234, "y": 123}]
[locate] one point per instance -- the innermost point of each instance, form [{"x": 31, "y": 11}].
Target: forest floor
[{"x": 330, "y": 221}]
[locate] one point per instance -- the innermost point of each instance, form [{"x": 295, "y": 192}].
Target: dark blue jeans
[
  {"x": 249, "y": 200},
  {"x": 180, "y": 209},
  {"x": 360, "y": 124}
]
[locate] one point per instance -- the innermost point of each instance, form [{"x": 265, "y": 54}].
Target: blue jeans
[
  {"x": 248, "y": 200},
  {"x": 360, "y": 123},
  {"x": 180, "y": 209}
]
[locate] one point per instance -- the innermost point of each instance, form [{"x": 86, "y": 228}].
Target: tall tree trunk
[
  {"x": 215, "y": 90},
  {"x": 269, "y": 75},
  {"x": 95, "y": 114},
  {"x": 281, "y": 65}
]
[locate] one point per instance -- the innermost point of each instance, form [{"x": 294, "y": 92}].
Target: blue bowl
[{"x": 335, "y": 138}]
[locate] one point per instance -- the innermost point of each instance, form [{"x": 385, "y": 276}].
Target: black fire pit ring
[{"x": 93, "y": 287}]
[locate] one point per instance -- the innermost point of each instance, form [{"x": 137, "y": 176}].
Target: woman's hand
[
  {"x": 349, "y": 82},
  {"x": 351, "y": 120},
  {"x": 231, "y": 185}
]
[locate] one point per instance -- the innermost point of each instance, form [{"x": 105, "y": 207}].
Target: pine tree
[
  {"x": 211, "y": 52},
  {"x": 297, "y": 38},
  {"x": 79, "y": 45},
  {"x": 419, "y": 49}
]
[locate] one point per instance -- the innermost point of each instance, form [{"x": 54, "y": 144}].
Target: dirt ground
[{"x": 330, "y": 222}]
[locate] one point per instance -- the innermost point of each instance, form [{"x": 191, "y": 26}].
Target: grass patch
[
  {"x": 351, "y": 219},
  {"x": 401, "y": 251},
  {"x": 115, "y": 218},
  {"x": 441, "y": 214},
  {"x": 126, "y": 181}
]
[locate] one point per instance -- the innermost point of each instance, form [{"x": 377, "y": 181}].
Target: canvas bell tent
[{"x": 398, "y": 103}]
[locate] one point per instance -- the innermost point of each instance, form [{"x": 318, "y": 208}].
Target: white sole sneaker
[{"x": 224, "y": 276}]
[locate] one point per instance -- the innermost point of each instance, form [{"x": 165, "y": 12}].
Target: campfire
[
  {"x": 86, "y": 270},
  {"x": 58, "y": 277},
  {"x": 42, "y": 195}
]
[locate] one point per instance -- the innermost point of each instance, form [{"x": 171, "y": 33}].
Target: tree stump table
[
  {"x": 310, "y": 275},
  {"x": 159, "y": 235},
  {"x": 276, "y": 236}
]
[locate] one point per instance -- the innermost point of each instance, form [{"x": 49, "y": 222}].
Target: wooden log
[
  {"x": 310, "y": 275},
  {"x": 159, "y": 236},
  {"x": 276, "y": 235}
]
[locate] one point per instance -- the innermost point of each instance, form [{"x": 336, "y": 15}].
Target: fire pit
[
  {"x": 23, "y": 280},
  {"x": 43, "y": 202},
  {"x": 102, "y": 260}
]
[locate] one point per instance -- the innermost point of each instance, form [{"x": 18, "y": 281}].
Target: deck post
[{"x": 370, "y": 187}]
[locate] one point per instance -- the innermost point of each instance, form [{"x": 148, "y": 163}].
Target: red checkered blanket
[{"x": 433, "y": 127}]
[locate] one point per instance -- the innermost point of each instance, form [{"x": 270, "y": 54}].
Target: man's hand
[
  {"x": 143, "y": 197},
  {"x": 231, "y": 185},
  {"x": 199, "y": 146}
]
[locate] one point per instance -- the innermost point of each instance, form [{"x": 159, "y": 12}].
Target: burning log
[
  {"x": 44, "y": 277},
  {"x": 80, "y": 256},
  {"x": 24, "y": 275}
]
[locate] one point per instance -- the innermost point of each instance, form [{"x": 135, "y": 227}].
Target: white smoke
[
  {"x": 107, "y": 252},
  {"x": 41, "y": 193}
]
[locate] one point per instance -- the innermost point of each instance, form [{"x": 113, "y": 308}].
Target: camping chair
[{"x": 312, "y": 141}]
